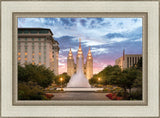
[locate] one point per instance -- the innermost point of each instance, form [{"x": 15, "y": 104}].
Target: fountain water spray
[{"x": 79, "y": 80}]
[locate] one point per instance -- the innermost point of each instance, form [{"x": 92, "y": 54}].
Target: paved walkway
[{"x": 80, "y": 96}]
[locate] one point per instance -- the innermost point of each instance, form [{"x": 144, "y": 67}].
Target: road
[{"x": 80, "y": 96}]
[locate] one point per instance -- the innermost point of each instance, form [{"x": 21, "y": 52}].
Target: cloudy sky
[{"x": 107, "y": 37}]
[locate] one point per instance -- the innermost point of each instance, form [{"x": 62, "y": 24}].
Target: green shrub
[
  {"x": 30, "y": 91},
  {"x": 110, "y": 86},
  {"x": 106, "y": 90}
]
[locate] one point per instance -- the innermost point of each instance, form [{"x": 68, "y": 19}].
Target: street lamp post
[
  {"x": 99, "y": 79},
  {"x": 61, "y": 79}
]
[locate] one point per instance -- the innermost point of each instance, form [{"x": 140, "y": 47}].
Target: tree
[
  {"x": 139, "y": 64},
  {"x": 35, "y": 73},
  {"x": 124, "y": 79},
  {"x": 105, "y": 75},
  {"x": 65, "y": 77},
  {"x": 138, "y": 81}
]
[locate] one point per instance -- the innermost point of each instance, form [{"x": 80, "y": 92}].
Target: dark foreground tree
[
  {"x": 30, "y": 91},
  {"x": 35, "y": 73},
  {"x": 127, "y": 79},
  {"x": 32, "y": 79}
]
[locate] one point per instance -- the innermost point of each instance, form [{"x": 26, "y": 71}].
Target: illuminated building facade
[{"x": 37, "y": 46}]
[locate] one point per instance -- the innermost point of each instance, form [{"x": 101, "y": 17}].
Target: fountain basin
[{"x": 80, "y": 89}]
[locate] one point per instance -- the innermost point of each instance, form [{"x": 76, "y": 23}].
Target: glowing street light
[
  {"x": 61, "y": 79},
  {"x": 99, "y": 79}
]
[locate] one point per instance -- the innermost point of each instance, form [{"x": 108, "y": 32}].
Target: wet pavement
[{"x": 80, "y": 96}]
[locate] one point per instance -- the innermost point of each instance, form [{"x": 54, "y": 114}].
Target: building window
[
  {"x": 19, "y": 58},
  {"x": 32, "y": 39},
  {"x": 25, "y": 48},
  {"x": 33, "y": 48},
  {"x": 39, "y": 53},
  {"x": 32, "y": 58},
  {"x": 25, "y": 59},
  {"x": 39, "y": 39},
  {"x": 33, "y": 31},
  {"x": 33, "y": 54},
  {"x": 25, "y": 53},
  {"x": 19, "y": 39},
  {"x": 26, "y": 31},
  {"x": 127, "y": 62},
  {"x": 33, "y": 63},
  {"x": 20, "y": 32},
  {"x": 39, "y": 63},
  {"x": 25, "y": 39},
  {"x": 43, "y": 31},
  {"x": 19, "y": 53}
]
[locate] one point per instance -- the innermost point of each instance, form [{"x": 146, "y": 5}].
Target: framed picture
[{"x": 68, "y": 58}]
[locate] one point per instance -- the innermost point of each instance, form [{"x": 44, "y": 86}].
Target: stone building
[
  {"x": 37, "y": 46},
  {"x": 127, "y": 60},
  {"x": 87, "y": 67}
]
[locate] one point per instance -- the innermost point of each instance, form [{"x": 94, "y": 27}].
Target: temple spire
[
  {"x": 79, "y": 53},
  {"x": 70, "y": 55},
  {"x": 89, "y": 55},
  {"x": 79, "y": 43}
]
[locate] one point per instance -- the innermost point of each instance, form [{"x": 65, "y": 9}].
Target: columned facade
[
  {"x": 37, "y": 46},
  {"x": 128, "y": 60}
]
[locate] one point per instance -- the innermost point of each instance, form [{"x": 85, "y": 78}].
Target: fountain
[{"x": 79, "y": 80}]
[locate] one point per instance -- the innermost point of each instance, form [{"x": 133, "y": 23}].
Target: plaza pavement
[{"x": 80, "y": 96}]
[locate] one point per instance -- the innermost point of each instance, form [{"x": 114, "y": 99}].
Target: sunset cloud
[{"x": 107, "y": 37}]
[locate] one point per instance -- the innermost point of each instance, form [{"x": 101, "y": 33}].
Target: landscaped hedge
[{"x": 30, "y": 91}]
